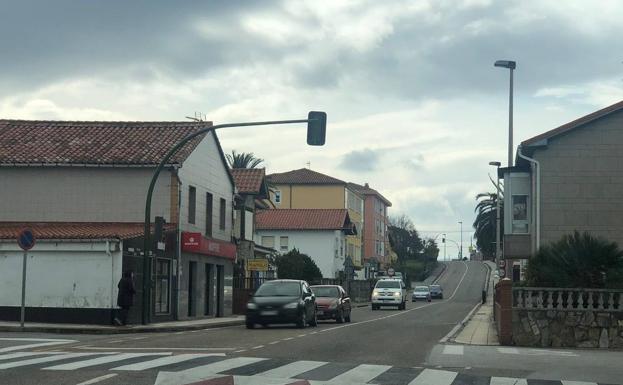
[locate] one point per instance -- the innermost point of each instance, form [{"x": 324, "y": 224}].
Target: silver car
[{"x": 421, "y": 293}]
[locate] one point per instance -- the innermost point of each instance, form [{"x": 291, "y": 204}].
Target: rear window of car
[
  {"x": 279, "y": 289},
  {"x": 320, "y": 291},
  {"x": 388, "y": 284},
  {"x": 421, "y": 288}
]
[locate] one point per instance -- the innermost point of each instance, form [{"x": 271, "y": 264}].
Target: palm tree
[
  {"x": 243, "y": 160},
  {"x": 485, "y": 223}
]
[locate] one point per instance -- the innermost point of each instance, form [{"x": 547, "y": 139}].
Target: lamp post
[
  {"x": 461, "y": 250},
  {"x": 511, "y": 65},
  {"x": 444, "y": 247},
  {"x": 498, "y": 249},
  {"x": 316, "y": 133}
]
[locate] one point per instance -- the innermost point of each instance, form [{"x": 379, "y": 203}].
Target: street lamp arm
[{"x": 152, "y": 184}]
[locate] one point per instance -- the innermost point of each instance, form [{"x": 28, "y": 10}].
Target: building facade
[
  {"x": 566, "y": 179},
  {"x": 307, "y": 189},
  {"x": 82, "y": 186}
]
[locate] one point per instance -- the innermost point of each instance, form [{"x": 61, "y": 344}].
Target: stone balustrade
[{"x": 542, "y": 298}]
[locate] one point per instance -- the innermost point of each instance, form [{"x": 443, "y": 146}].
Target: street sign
[
  {"x": 26, "y": 239},
  {"x": 257, "y": 264}
]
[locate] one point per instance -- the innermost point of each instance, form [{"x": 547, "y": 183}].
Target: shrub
[{"x": 295, "y": 265}]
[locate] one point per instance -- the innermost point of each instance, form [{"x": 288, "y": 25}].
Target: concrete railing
[{"x": 541, "y": 298}]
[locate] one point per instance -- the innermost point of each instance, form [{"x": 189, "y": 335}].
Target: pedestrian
[{"x": 125, "y": 297}]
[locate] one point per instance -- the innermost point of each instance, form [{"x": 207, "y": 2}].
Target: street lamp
[
  {"x": 511, "y": 65},
  {"x": 497, "y": 213},
  {"x": 444, "y": 247},
  {"x": 316, "y": 134},
  {"x": 461, "y": 250}
]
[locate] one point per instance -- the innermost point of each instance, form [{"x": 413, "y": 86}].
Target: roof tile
[
  {"x": 249, "y": 180},
  {"x": 303, "y": 176},
  {"x": 302, "y": 219},
  {"x": 76, "y": 230}
]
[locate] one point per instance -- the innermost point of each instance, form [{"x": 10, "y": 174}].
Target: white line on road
[
  {"x": 565, "y": 382},
  {"x": 292, "y": 369},
  {"x": 88, "y": 347},
  {"x": 360, "y": 374},
  {"x": 257, "y": 347},
  {"x": 11, "y": 356},
  {"x": 98, "y": 379},
  {"x": 114, "y": 341},
  {"x": 162, "y": 361},
  {"x": 288, "y": 339},
  {"x": 434, "y": 376},
  {"x": 101, "y": 360},
  {"x": 274, "y": 342},
  {"x": 507, "y": 381},
  {"x": 42, "y": 342},
  {"x": 138, "y": 338},
  {"x": 33, "y": 361},
  {"x": 240, "y": 351},
  {"x": 453, "y": 349},
  {"x": 301, "y": 335}
]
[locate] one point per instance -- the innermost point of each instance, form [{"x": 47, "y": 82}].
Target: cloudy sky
[{"x": 415, "y": 106}]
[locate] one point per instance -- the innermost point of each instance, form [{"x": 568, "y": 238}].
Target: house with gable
[{"x": 81, "y": 187}]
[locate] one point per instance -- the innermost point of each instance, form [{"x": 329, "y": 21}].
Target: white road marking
[
  {"x": 434, "y": 376},
  {"x": 221, "y": 366},
  {"x": 301, "y": 335},
  {"x": 138, "y": 338},
  {"x": 240, "y": 351},
  {"x": 360, "y": 374},
  {"x": 288, "y": 339},
  {"x": 453, "y": 349},
  {"x": 507, "y": 381},
  {"x": 42, "y": 342},
  {"x": 565, "y": 382},
  {"x": 258, "y": 347},
  {"x": 11, "y": 356},
  {"x": 114, "y": 341},
  {"x": 88, "y": 347},
  {"x": 162, "y": 361},
  {"x": 292, "y": 369},
  {"x": 102, "y": 360},
  {"x": 98, "y": 379},
  {"x": 508, "y": 350},
  {"x": 33, "y": 361},
  {"x": 274, "y": 342}
]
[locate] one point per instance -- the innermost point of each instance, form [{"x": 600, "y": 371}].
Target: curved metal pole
[{"x": 146, "y": 311}]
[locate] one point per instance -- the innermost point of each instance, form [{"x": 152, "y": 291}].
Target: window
[
  {"x": 162, "y": 285},
  {"x": 192, "y": 203},
  {"x": 283, "y": 243},
  {"x": 520, "y": 214},
  {"x": 277, "y": 196},
  {"x": 209, "y": 214},
  {"x": 222, "y": 214},
  {"x": 268, "y": 241},
  {"x": 351, "y": 250}
]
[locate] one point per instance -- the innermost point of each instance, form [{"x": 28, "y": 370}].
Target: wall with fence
[{"x": 555, "y": 317}]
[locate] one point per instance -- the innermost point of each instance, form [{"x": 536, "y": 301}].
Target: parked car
[
  {"x": 332, "y": 302},
  {"x": 280, "y": 302},
  {"x": 389, "y": 292},
  {"x": 436, "y": 291},
  {"x": 421, "y": 292}
]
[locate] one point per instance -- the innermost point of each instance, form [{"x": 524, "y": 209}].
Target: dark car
[
  {"x": 332, "y": 302},
  {"x": 436, "y": 291},
  {"x": 281, "y": 302}
]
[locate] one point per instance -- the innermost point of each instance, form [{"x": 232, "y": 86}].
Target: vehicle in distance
[
  {"x": 332, "y": 302},
  {"x": 389, "y": 292},
  {"x": 421, "y": 292},
  {"x": 280, "y": 302},
  {"x": 436, "y": 291}
]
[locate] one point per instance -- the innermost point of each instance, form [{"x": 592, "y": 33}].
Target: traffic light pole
[{"x": 147, "y": 245}]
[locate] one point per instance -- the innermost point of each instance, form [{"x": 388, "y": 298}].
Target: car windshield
[
  {"x": 320, "y": 291},
  {"x": 279, "y": 289},
  {"x": 421, "y": 288},
  {"x": 388, "y": 284},
  {"x": 435, "y": 287}
]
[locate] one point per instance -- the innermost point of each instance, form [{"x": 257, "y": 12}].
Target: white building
[
  {"x": 81, "y": 187},
  {"x": 319, "y": 233}
]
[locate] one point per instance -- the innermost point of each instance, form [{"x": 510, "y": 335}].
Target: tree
[
  {"x": 243, "y": 160},
  {"x": 577, "y": 260},
  {"x": 485, "y": 223},
  {"x": 295, "y": 265}
]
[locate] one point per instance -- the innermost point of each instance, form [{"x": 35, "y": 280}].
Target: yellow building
[{"x": 307, "y": 189}]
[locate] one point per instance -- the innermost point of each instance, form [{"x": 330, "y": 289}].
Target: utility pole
[
  {"x": 461, "y": 249},
  {"x": 444, "y": 247}
]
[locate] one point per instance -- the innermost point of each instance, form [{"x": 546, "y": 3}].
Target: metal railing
[{"x": 543, "y": 298}]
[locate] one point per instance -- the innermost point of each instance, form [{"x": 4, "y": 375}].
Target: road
[{"x": 382, "y": 347}]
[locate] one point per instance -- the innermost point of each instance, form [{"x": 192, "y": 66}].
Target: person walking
[{"x": 125, "y": 297}]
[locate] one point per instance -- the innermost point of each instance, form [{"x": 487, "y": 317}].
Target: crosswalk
[{"x": 188, "y": 368}]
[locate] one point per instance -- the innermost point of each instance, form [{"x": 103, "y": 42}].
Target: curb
[{"x": 121, "y": 330}]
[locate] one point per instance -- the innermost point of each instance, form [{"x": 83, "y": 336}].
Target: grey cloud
[{"x": 361, "y": 160}]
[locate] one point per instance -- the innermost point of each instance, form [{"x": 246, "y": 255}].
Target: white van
[{"x": 389, "y": 292}]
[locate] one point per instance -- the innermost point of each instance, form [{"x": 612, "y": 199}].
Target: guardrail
[{"x": 542, "y": 298}]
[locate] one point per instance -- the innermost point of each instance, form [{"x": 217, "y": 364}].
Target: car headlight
[
  {"x": 333, "y": 305},
  {"x": 291, "y": 305},
  {"x": 251, "y": 306},
  {"x": 396, "y": 294},
  {"x": 375, "y": 293}
]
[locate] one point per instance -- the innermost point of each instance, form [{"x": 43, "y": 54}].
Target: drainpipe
[
  {"x": 112, "y": 275},
  {"x": 537, "y": 221}
]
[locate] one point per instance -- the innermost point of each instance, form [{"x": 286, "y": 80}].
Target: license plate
[
  {"x": 269, "y": 312},
  {"x": 320, "y": 312}
]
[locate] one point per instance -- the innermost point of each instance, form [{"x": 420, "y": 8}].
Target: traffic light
[{"x": 316, "y": 128}]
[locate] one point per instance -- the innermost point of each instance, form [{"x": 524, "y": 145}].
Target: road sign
[
  {"x": 257, "y": 264},
  {"x": 26, "y": 239}
]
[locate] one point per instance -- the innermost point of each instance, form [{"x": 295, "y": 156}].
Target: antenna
[{"x": 308, "y": 165}]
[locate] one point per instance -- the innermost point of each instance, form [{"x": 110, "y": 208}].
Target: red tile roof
[
  {"x": 302, "y": 219},
  {"x": 366, "y": 190},
  {"x": 75, "y": 230},
  {"x": 574, "y": 124},
  {"x": 303, "y": 176},
  {"x": 249, "y": 180},
  {"x": 69, "y": 142}
]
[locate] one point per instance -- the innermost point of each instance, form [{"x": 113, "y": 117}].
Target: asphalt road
[{"x": 384, "y": 337}]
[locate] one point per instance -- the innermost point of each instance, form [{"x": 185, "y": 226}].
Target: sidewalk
[
  {"x": 172, "y": 326},
  {"x": 480, "y": 328}
]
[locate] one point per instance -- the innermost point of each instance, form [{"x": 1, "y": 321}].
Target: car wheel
[
  {"x": 374, "y": 307},
  {"x": 302, "y": 320},
  {"x": 339, "y": 317},
  {"x": 250, "y": 325},
  {"x": 441, "y": 296},
  {"x": 314, "y": 320},
  {"x": 430, "y": 299}
]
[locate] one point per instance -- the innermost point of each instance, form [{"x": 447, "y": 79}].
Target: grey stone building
[{"x": 566, "y": 179}]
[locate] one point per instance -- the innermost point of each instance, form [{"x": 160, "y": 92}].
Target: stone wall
[{"x": 563, "y": 328}]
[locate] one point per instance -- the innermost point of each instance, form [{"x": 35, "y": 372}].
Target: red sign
[{"x": 197, "y": 243}]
